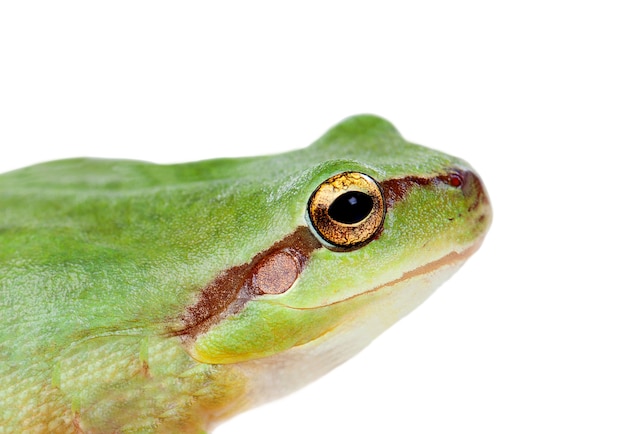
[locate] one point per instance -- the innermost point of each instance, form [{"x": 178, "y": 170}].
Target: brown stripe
[
  {"x": 396, "y": 189},
  {"x": 230, "y": 291}
]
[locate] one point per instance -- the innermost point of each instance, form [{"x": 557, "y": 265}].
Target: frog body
[{"x": 137, "y": 297}]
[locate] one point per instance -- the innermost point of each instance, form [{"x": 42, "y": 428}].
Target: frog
[{"x": 151, "y": 298}]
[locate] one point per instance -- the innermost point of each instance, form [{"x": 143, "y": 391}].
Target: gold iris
[{"x": 346, "y": 211}]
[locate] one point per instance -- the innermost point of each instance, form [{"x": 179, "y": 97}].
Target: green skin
[{"x": 100, "y": 260}]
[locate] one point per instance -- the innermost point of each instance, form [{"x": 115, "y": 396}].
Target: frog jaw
[{"x": 373, "y": 312}]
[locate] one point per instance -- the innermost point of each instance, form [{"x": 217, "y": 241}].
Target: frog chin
[{"x": 280, "y": 374}]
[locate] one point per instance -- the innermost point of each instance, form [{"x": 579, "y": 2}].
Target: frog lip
[
  {"x": 450, "y": 259},
  {"x": 455, "y": 257}
]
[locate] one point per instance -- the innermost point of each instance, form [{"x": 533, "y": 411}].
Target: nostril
[
  {"x": 455, "y": 180},
  {"x": 465, "y": 180}
]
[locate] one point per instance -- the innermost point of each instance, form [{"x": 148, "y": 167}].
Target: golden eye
[{"x": 346, "y": 211}]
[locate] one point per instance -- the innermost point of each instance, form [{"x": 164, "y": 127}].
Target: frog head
[{"x": 368, "y": 226}]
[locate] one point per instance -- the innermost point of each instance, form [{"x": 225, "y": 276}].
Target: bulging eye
[{"x": 346, "y": 211}]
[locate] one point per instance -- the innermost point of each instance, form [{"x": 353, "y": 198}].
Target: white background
[{"x": 530, "y": 335}]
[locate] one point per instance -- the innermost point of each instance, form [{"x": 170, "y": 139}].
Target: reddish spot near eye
[
  {"x": 454, "y": 180},
  {"x": 395, "y": 189}
]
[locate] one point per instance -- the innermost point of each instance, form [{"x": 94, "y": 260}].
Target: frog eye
[{"x": 346, "y": 211}]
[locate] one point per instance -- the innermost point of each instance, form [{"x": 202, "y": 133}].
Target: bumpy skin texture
[{"x": 100, "y": 260}]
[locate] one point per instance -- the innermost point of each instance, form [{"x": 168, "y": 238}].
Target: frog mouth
[{"x": 451, "y": 259}]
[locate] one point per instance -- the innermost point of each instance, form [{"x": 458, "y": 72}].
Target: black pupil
[{"x": 351, "y": 207}]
